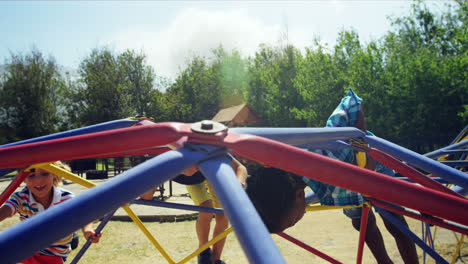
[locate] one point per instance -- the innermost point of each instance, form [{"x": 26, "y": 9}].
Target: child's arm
[
  {"x": 5, "y": 212},
  {"x": 241, "y": 171},
  {"x": 89, "y": 231}
]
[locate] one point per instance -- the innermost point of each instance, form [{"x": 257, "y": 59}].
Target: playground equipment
[{"x": 207, "y": 143}]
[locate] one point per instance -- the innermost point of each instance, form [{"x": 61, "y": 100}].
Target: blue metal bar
[
  {"x": 27, "y": 237},
  {"x": 453, "y": 151},
  {"x": 440, "y": 152},
  {"x": 179, "y": 206},
  {"x": 88, "y": 242},
  {"x": 330, "y": 145},
  {"x": 75, "y": 132},
  {"x": 429, "y": 235},
  {"x": 455, "y": 163},
  {"x": 405, "y": 230},
  {"x": 460, "y": 190},
  {"x": 460, "y": 135},
  {"x": 298, "y": 136},
  {"x": 431, "y": 166},
  {"x": 423, "y": 237},
  {"x": 121, "y": 123},
  {"x": 249, "y": 228},
  {"x": 434, "y": 178}
]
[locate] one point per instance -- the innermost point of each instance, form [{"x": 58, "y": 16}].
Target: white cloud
[{"x": 196, "y": 31}]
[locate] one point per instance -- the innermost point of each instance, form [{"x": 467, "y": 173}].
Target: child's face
[
  {"x": 296, "y": 212},
  {"x": 40, "y": 183}
]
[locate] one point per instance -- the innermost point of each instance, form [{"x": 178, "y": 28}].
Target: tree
[
  {"x": 272, "y": 91},
  {"x": 318, "y": 86},
  {"x": 113, "y": 87},
  {"x": 195, "y": 95},
  {"x": 30, "y": 92},
  {"x": 426, "y": 71},
  {"x": 138, "y": 79}
]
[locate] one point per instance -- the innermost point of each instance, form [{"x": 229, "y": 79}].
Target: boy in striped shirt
[{"x": 40, "y": 193}]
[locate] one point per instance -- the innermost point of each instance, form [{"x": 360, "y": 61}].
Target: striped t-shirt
[{"x": 23, "y": 202}]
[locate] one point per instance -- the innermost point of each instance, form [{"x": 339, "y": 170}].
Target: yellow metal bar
[
  {"x": 68, "y": 175},
  {"x": 143, "y": 228},
  {"x": 456, "y": 237},
  {"x": 458, "y": 250},
  {"x": 207, "y": 245},
  {"x": 72, "y": 177},
  {"x": 311, "y": 208},
  {"x": 36, "y": 166}
]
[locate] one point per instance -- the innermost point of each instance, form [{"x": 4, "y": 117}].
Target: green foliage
[
  {"x": 271, "y": 90},
  {"x": 195, "y": 94},
  {"x": 426, "y": 76},
  {"x": 113, "y": 87},
  {"x": 206, "y": 86},
  {"x": 29, "y": 92},
  {"x": 319, "y": 86}
]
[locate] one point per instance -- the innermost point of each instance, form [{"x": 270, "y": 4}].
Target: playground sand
[{"x": 328, "y": 231}]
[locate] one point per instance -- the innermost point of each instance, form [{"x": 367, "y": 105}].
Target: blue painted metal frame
[
  {"x": 437, "y": 153},
  {"x": 299, "y": 136},
  {"x": 249, "y": 228},
  {"x": 179, "y": 206},
  {"x": 121, "y": 123},
  {"x": 405, "y": 230},
  {"x": 88, "y": 242}
]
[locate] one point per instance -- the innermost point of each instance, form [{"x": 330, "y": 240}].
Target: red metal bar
[
  {"x": 13, "y": 185},
  {"x": 309, "y": 248},
  {"x": 408, "y": 171},
  {"x": 345, "y": 175},
  {"x": 430, "y": 220},
  {"x": 362, "y": 233},
  {"x": 102, "y": 144}
]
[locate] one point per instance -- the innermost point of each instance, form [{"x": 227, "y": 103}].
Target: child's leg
[
  {"x": 202, "y": 225},
  {"x": 374, "y": 239},
  {"x": 200, "y": 197},
  {"x": 405, "y": 245},
  {"x": 221, "y": 225}
]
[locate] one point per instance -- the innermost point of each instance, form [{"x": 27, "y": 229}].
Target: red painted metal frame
[
  {"x": 408, "y": 171},
  {"x": 256, "y": 148},
  {"x": 362, "y": 233},
  {"x": 13, "y": 185},
  {"x": 426, "y": 219},
  {"x": 309, "y": 248}
]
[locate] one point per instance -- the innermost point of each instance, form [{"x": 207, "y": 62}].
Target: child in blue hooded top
[{"x": 288, "y": 189}]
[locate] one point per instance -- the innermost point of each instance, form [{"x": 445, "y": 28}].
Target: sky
[{"x": 170, "y": 32}]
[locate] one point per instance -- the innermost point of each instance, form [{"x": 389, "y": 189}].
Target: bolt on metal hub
[{"x": 208, "y": 127}]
